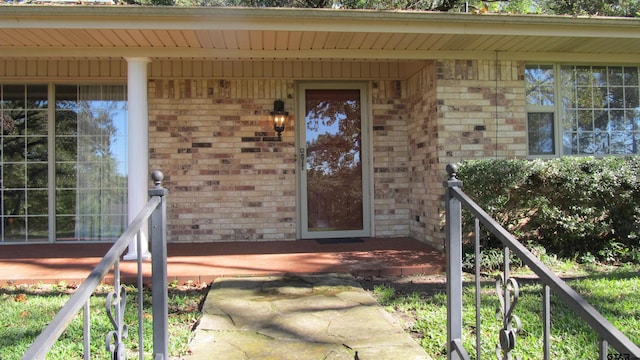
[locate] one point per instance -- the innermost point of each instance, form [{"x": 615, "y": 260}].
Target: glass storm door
[{"x": 333, "y": 171}]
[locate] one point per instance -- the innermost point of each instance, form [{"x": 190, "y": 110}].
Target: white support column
[{"x": 138, "y": 148}]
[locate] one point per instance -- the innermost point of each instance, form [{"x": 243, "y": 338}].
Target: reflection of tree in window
[
  {"x": 91, "y": 193},
  {"x": 23, "y": 159},
  {"x": 540, "y": 85},
  {"x": 540, "y": 133},
  {"x": 540, "y": 97},
  {"x": 605, "y": 103},
  {"x": 334, "y": 167},
  {"x": 90, "y": 162}
]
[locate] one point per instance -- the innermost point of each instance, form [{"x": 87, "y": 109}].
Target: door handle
[{"x": 301, "y": 150}]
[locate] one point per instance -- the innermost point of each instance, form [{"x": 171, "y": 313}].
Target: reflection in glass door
[{"x": 334, "y": 199}]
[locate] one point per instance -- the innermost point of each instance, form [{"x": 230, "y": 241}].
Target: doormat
[{"x": 339, "y": 241}]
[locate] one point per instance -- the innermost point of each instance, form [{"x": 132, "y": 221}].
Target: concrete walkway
[{"x": 301, "y": 317}]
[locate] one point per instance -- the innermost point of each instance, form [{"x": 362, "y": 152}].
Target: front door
[{"x": 334, "y": 199}]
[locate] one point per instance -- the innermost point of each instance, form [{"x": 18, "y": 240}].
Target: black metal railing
[
  {"x": 154, "y": 213},
  {"x": 507, "y": 287}
]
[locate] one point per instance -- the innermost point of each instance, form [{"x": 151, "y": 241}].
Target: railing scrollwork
[
  {"x": 115, "y": 304},
  {"x": 508, "y": 295}
]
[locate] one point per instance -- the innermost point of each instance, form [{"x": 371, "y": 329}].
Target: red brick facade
[{"x": 230, "y": 180}]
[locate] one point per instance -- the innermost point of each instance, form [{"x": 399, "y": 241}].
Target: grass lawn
[
  {"x": 27, "y": 309},
  {"x": 611, "y": 290},
  {"x": 421, "y": 305}
]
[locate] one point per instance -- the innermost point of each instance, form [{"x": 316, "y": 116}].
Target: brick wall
[
  {"x": 459, "y": 110},
  {"x": 424, "y": 150},
  {"x": 228, "y": 177},
  {"x": 390, "y": 159},
  {"x": 231, "y": 181},
  {"x": 481, "y": 107}
]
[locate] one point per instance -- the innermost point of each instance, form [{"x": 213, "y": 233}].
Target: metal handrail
[
  {"x": 155, "y": 210},
  {"x": 456, "y": 198}
]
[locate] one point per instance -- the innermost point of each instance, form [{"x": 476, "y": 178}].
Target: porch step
[{"x": 205, "y": 262}]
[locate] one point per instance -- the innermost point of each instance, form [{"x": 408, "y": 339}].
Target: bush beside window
[{"x": 573, "y": 206}]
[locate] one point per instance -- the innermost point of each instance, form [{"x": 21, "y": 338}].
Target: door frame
[{"x": 366, "y": 155}]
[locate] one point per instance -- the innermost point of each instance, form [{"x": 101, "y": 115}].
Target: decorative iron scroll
[
  {"x": 508, "y": 293},
  {"x": 116, "y": 301}
]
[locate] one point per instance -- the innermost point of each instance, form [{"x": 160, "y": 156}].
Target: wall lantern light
[{"x": 279, "y": 116}]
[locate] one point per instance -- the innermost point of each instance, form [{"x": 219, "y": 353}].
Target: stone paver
[{"x": 307, "y": 317}]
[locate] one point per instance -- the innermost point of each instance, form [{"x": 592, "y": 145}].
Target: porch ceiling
[{"x": 248, "y": 33}]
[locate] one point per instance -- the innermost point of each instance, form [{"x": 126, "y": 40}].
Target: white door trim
[{"x": 366, "y": 154}]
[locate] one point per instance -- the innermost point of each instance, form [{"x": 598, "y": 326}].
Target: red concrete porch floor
[{"x": 204, "y": 262}]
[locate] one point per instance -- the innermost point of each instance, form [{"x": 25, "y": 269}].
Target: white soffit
[{"x": 248, "y": 33}]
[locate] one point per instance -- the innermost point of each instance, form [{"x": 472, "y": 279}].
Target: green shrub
[{"x": 572, "y": 206}]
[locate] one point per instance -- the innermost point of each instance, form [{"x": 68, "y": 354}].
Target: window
[
  {"x": 597, "y": 109},
  {"x": 83, "y": 144},
  {"x": 90, "y": 161},
  {"x": 540, "y": 92},
  {"x": 24, "y": 163},
  {"x": 540, "y": 133}
]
